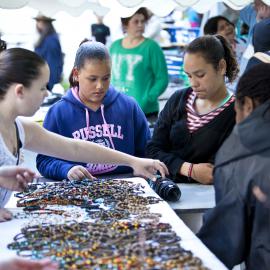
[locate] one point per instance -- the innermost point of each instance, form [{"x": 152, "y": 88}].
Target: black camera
[{"x": 166, "y": 189}]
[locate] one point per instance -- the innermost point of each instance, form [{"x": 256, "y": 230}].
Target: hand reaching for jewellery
[
  {"x": 15, "y": 178},
  {"x": 79, "y": 173}
]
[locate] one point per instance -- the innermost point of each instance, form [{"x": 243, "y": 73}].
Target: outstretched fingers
[
  {"x": 23, "y": 179},
  {"x": 161, "y": 167},
  {"x": 79, "y": 173}
]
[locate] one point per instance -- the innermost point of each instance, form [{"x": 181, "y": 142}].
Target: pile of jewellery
[
  {"x": 106, "y": 200},
  {"x": 83, "y": 193},
  {"x": 120, "y": 245},
  {"x": 51, "y": 214},
  {"x": 120, "y": 232}
]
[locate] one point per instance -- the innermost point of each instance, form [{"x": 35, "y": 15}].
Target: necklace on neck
[{"x": 225, "y": 100}]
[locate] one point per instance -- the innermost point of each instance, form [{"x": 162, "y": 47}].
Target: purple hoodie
[{"x": 119, "y": 124}]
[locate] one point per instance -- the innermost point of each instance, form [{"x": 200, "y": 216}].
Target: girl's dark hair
[
  {"x": 18, "y": 65},
  {"x": 211, "y": 26},
  {"x": 255, "y": 84},
  {"x": 141, "y": 10},
  {"x": 213, "y": 48},
  {"x": 88, "y": 50}
]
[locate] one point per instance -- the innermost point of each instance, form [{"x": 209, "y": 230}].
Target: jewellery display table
[
  {"x": 195, "y": 200},
  {"x": 188, "y": 239}
]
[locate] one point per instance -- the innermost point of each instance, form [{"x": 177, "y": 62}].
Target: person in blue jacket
[
  {"x": 261, "y": 44},
  {"x": 250, "y": 15},
  {"x": 94, "y": 110},
  {"x": 253, "y": 13},
  {"x": 49, "y": 48}
]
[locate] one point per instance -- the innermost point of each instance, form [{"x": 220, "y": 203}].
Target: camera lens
[{"x": 166, "y": 189}]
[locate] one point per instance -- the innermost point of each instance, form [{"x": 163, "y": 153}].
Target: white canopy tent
[
  {"x": 73, "y": 18},
  {"x": 124, "y": 7}
]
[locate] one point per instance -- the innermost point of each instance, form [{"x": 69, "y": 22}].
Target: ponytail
[
  {"x": 213, "y": 49},
  {"x": 229, "y": 56}
]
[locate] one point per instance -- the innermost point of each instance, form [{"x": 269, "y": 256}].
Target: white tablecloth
[
  {"x": 194, "y": 198},
  {"x": 189, "y": 241}
]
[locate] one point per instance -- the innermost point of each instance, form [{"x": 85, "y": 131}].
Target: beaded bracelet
[
  {"x": 139, "y": 242},
  {"x": 92, "y": 246},
  {"x": 190, "y": 171}
]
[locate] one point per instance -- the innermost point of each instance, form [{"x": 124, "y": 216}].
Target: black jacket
[
  {"x": 238, "y": 228},
  {"x": 172, "y": 142}
]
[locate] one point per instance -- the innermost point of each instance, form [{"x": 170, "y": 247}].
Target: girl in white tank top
[{"x": 7, "y": 158}]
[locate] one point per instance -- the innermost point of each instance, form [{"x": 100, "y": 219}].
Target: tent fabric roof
[{"x": 125, "y": 8}]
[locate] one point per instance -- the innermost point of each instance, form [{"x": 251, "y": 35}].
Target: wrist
[
  {"x": 190, "y": 171},
  {"x": 184, "y": 170},
  {"x": 131, "y": 161}
]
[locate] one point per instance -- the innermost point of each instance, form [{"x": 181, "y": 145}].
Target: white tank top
[{"x": 7, "y": 158}]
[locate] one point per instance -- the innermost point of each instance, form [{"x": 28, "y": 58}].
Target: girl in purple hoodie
[{"x": 92, "y": 110}]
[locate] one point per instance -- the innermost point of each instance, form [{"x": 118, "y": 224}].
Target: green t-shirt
[{"x": 140, "y": 72}]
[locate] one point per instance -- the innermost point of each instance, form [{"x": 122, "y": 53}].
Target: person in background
[
  {"x": 222, "y": 26},
  {"x": 220, "y": 9},
  {"x": 100, "y": 31},
  {"x": 196, "y": 120},
  {"x": 194, "y": 17},
  {"x": 261, "y": 44},
  {"x": 244, "y": 29},
  {"x": 24, "y": 76},
  {"x": 236, "y": 230},
  {"x": 49, "y": 48},
  {"x": 138, "y": 64},
  {"x": 250, "y": 15},
  {"x": 93, "y": 110},
  {"x": 254, "y": 13}
]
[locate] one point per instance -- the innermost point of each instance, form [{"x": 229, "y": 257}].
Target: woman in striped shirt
[{"x": 196, "y": 120}]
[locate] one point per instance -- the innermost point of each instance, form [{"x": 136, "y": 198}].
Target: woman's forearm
[
  {"x": 42, "y": 141},
  {"x": 51, "y": 144},
  {"x": 89, "y": 152}
]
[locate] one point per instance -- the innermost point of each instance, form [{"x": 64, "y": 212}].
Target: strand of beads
[{"x": 92, "y": 245}]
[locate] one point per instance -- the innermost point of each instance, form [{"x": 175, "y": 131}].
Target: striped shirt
[{"x": 196, "y": 120}]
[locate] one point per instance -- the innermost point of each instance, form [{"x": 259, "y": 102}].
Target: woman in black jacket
[
  {"x": 196, "y": 120},
  {"x": 238, "y": 228}
]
